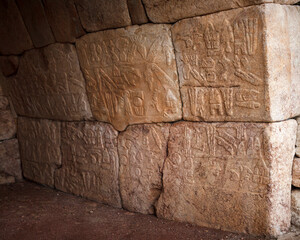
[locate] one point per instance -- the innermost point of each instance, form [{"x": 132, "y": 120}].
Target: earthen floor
[{"x": 31, "y": 211}]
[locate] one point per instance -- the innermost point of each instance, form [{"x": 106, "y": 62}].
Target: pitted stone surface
[
  {"x": 131, "y": 75},
  {"x": 142, "y": 151},
  {"x": 49, "y": 84},
  {"x": 167, "y": 11},
  {"x": 40, "y": 153},
  {"x": 90, "y": 163},
  {"x": 238, "y": 66},
  {"x": 232, "y": 176},
  {"x": 98, "y": 15}
]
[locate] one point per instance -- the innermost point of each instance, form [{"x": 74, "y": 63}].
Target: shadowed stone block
[
  {"x": 9, "y": 65},
  {"x": 137, "y": 12},
  {"x": 296, "y": 172},
  {"x": 230, "y": 176}
]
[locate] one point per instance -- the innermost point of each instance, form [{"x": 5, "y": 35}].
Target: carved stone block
[
  {"x": 240, "y": 65},
  {"x": 39, "y": 142},
  {"x": 49, "y": 84},
  {"x": 131, "y": 75},
  {"x": 296, "y": 172},
  {"x": 137, "y": 12},
  {"x": 142, "y": 151},
  {"x": 98, "y": 15},
  {"x": 63, "y": 19},
  {"x": 90, "y": 162},
  {"x": 167, "y": 11},
  {"x": 230, "y": 176}
]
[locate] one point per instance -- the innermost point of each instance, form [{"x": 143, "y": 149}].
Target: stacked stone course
[{"x": 185, "y": 116}]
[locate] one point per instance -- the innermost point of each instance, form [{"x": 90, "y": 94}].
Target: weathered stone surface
[
  {"x": 231, "y": 176},
  {"x": 8, "y": 124},
  {"x": 36, "y": 22},
  {"x": 63, "y": 19},
  {"x": 296, "y": 172},
  {"x": 298, "y": 139},
  {"x": 39, "y": 142},
  {"x": 6, "y": 179},
  {"x": 90, "y": 162},
  {"x": 131, "y": 75},
  {"x": 137, "y": 12},
  {"x": 142, "y": 151},
  {"x": 98, "y": 15},
  {"x": 167, "y": 11},
  {"x": 10, "y": 158},
  {"x": 14, "y": 36},
  {"x": 296, "y": 207},
  {"x": 49, "y": 84},
  {"x": 240, "y": 65},
  {"x": 9, "y": 65}
]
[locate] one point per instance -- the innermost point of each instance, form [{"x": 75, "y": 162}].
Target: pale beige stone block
[
  {"x": 49, "y": 84},
  {"x": 230, "y": 176},
  {"x": 90, "y": 162},
  {"x": 240, "y": 65},
  {"x": 142, "y": 151},
  {"x": 131, "y": 75}
]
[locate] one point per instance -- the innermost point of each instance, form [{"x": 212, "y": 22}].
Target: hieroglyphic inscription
[
  {"x": 221, "y": 66},
  {"x": 90, "y": 162},
  {"x": 227, "y": 175},
  {"x": 142, "y": 151},
  {"x": 40, "y": 154},
  {"x": 49, "y": 84},
  {"x": 131, "y": 75}
]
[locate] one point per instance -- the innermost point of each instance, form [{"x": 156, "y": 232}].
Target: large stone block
[
  {"x": 49, "y": 84},
  {"x": 36, "y": 22},
  {"x": 131, "y": 75},
  {"x": 98, "y": 15},
  {"x": 14, "y": 36},
  {"x": 142, "y": 151},
  {"x": 63, "y": 19},
  {"x": 167, "y": 11},
  {"x": 10, "y": 158},
  {"x": 230, "y": 176},
  {"x": 240, "y": 65},
  {"x": 90, "y": 162},
  {"x": 39, "y": 142}
]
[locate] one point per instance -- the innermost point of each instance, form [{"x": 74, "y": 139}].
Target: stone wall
[{"x": 182, "y": 109}]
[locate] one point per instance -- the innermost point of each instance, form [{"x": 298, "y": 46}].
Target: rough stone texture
[
  {"x": 137, "y": 12},
  {"x": 36, "y": 22},
  {"x": 142, "y": 151},
  {"x": 49, "y": 84},
  {"x": 63, "y": 19},
  {"x": 167, "y": 11},
  {"x": 296, "y": 207},
  {"x": 39, "y": 142},
  {"x": 10, "y": 158},
  {"x": 98, "y": 15},
  {"x": 9, "y": 65},
  {"x": 298, "y": 139},
  {"x": 233, "y": 176},
  {"x": 131, "y": 75},
  {"x": 90, "y": 162},
  {"x": 14, "y": 36},
  {"x": 240, "y": 65},
  {"x": 6, "y": 179},
  {"x": 8, "y": 124},
  {"x": 296, "y": 172}
]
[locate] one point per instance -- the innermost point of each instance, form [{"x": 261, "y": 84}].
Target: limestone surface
[
  {"x": 90, "y": 162},
  {"x": 98, "y": 15},
  {"x": 14, "y": 36},
  {"x": 240, "y": 65},
  {"x": 142, "y": 151},
  {"x": 39, "y": 141},
  {"x": 296, "y": 207},
  {"x": 49, "y": 84},
  {"x": 131, "y": 75},
  {"x": 230, "y": 176},
  {"x": 63, "y": 19},
  {"x": 167, "y": 11},
  {"x": 296, "y": 172},
  {"x": 137, "y": 12}
]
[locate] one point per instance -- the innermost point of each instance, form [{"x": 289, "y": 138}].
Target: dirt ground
[{"x": 31, "y": 211}]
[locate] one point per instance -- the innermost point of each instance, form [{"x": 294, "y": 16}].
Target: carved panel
[
  {"x": 142, "y": 151},
  {"x": 131, "y": 75},
  {"x": 233, "y": 176},
  {"x": 49, "y": 84},
  {"x": 90, "y": 162},
  {"x": 39, "y": 142}
]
